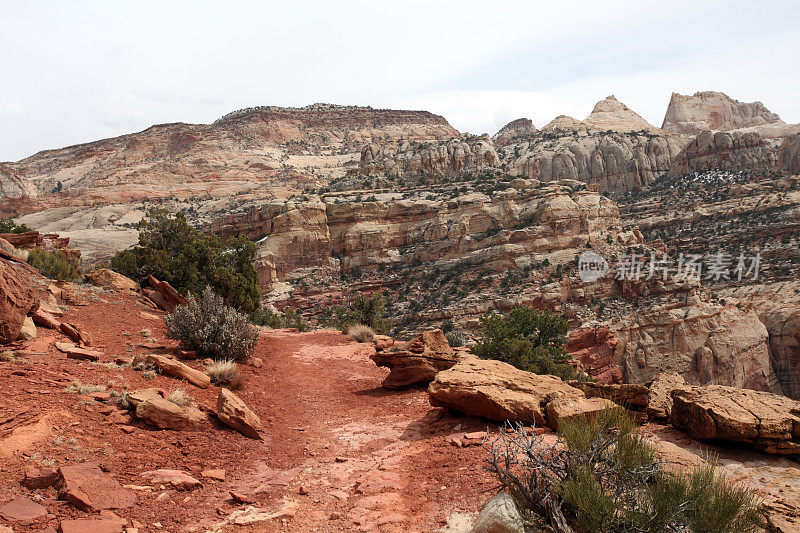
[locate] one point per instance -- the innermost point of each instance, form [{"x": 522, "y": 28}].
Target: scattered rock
[
  {"x": 769, "y": 422},
  {"x": 108, "y": 279},
  {"x": 499, "y": 515},
  {"x": 174, "y": 368},
  {"x": 174, "y": 479},
  {"x": 76, "y": 333},
  {"x": 241, "y": 497},
  {"x": 416, "y": 361},
  {"x": 22, "y": 510},
  {"x": 233, "y": 412},
  {"x": 46, "y": 320},
  {"x": 214, "y": 473},
  {"x": 81, "y": 354},
  {"x": 87, "y": 487},
  {"x": 93, "y": 525},
  {"x": 163, "y": 295},
  {"x": 562, "y": 409},
  {"x": 496, "y": 390},
  {"x": 659, "y": 396},
  {"x": 39, "y": 478},
  {"x": 28, "y": 330},
  {"x": 154, "y": 409}
]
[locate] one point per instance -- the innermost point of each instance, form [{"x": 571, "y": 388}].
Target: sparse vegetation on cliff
[
  {"x": 55, "y": 264},
  {"x": 7, "y": 225}
]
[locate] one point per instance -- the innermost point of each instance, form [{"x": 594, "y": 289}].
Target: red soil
[{"x": 339, "y": 453}]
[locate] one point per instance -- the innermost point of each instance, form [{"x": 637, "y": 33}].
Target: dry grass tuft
[{"x": 360, "y": 333}]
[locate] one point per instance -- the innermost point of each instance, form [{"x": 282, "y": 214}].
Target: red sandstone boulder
[
  {"x": 18, "y": 298},
  {"x": 87, "y": 487},
  {"x": 416, "y": 361}
]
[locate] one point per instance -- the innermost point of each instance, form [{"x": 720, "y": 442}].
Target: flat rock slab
[
  {"x": 628, "y": 395},
  {"x": 93, "y": 525},
  {"x": 174, "y": 368},
  {"x": 498, "y": 391},
  {"x": 769, "y": 422},
  {"x": 39, "y": 478},
  {"x": 90, "y": 489},
  {"x": 22, "y": 510},
  {"x": 563, "y": 409},
  {"x": 174, "y": 479}
]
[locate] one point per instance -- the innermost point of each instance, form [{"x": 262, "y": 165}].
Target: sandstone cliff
[
  {"x": 729, "y": 151},
  {"x": 711, "y": 110},
  {"x": 789, "y": 154}
]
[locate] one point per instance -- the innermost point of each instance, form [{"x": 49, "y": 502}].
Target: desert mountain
[
  {"x": 513, "y": 130},
  {"x": 716, "y": 111},
  {"x": 608, "y": 114}
]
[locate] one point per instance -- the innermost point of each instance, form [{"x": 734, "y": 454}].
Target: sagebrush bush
[
  {"x": 225, "y": 373},
  {"x": 212, "y": 328},
  {"x": 55, "y": 264},
  {"x": 179, "y": 397},
  {"x": 360, "y": 333},
  {"x": 528, "y": 339},
  {"x": 604, "y": 477},
  {"x": 456, "y": 338}
]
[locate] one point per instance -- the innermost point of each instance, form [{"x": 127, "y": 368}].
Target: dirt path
[{"x": 339, "y": 453}]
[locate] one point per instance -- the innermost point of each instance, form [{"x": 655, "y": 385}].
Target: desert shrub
[
  {"x": 528, "y": 339},
  {"x": 225, "y": 373},
  {"x": 179, "y": 397},
  {"x": 369, "y": 310},
  {"x": 287, "y": 319},
  {"x": 456, "y": 338},
  {"x": 55, "y": 264},
  {"x": 603, "y": 476},
  {"x": 360, "y": 333},
  {"x": 212, "y": 328},
  {"x": 172, "y": 250},
  {"x": 8, "y": 225}
]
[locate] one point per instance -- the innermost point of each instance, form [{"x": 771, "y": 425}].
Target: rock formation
[
  {"x": 611, "y": 114},
  {"x": 706, "y": 343},
  {"x": 614, "y": 163},
  {"x": 497, "y": 232},
  {"x": 711, "y": 110},
  {"x": 417, "y": 360},
  {"x": 429, "y": 160},
  {"x": 19, "y": 296},
  {"x": 728, "y": 151},
  {"x": 789, "y": 154},
  {"x": 519, "y": 128},
  {"x": 769, "y": 422}
]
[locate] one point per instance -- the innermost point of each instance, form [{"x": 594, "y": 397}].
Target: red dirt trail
[{"x": 338, "y": 452}]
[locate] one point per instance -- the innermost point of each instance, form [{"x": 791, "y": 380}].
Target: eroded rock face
[
  {"x": 19, "y": 298},
  {"x": 521, "y": 127},
  {"x": 789, "y": 154},
  {"x": 706, "y": 343},
  {"x": 498, "y": 391},
  {"x": 659, "y": 394},
  {"x": 711, "y": 110},
  {"x": 499, "y": 232},
  {"x": 436, "y": 160},
  {"x": 611, "y": 114},
  {"x": 769, "y": 422},
  {"x": 731, "y": 151},
  {"x": 594, "y": 347},
  {"x": 416, "y": 361},
  {"x": 614, "y": 163}
]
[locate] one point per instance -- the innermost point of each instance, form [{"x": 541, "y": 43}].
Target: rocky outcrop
[
  {"x": 516, "y": 129},
  {"x": 711, "y": 110},
  {"x": 789, "y": 154},
  {"x": 629, "y": 395},
  {"x": 729, "y": 151},
  {"x": 13, "y": 183},
  {"x": 417, "y": 360},
  {"x": 613, "y": 162},
  {"x": 19, "y": 297},
  {"x": 594, "y": 348},
  {"x": 659, "y": 394},
  {"x": 430, "y": 160},
  {"x": 498, "y": 391},
  {"x": 769, "y": 422},
  {"x": 163, "y": 295},
  {"x": 706, "y": 343}
]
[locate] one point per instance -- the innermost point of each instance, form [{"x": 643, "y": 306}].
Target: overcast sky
[{"x": 79, "y": 71}]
